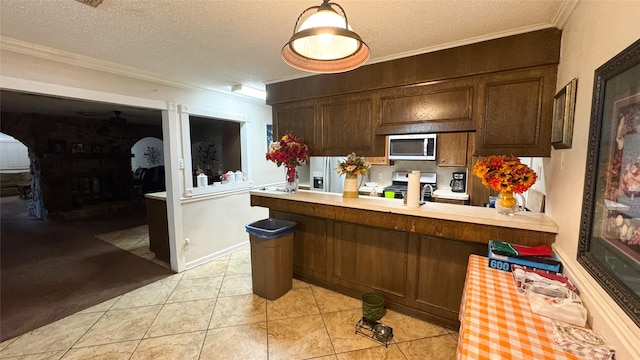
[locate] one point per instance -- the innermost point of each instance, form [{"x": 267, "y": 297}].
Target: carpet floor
[{"x": 49, "y": 270}]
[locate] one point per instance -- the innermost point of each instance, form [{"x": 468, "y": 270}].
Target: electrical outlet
[
  {"x": 380, "y": 176},
  {"x": 180, "y": 164}
]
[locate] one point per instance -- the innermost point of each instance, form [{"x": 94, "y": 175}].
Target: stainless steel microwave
[{"x": 412, "y": 147}]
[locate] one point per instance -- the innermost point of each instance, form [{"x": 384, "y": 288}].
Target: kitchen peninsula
[{"x": 416, "y": 258}]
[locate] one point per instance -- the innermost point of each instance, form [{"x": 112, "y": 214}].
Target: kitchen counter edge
[{"x": 441, "y": 211}]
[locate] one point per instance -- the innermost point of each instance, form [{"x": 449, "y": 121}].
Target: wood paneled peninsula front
[{"x": 416, "y": 258}]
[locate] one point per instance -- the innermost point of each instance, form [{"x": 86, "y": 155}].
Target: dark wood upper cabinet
[
  {"x": 435, "y": 107},
  {"x": 502, "y": 89},
  {"x": 516, "y": 112},
  {"x": 299, "y": 118},
  {"x": 348, "y": 125},
  {"x": 333, "y": 126},
  {"x": 535, "y": 48},
  {"x": 451, "y": 150}
]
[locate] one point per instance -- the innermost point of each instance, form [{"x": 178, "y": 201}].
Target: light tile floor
[{"x": 210, "y": 312}]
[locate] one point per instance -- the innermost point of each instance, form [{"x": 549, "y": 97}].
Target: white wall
[
  {"x": 31, "y": 70},
  {"x": 215, "y": 224},
  {"x": 382, "y": 174},
  {"x": 14, "y": 156},
  {"x": 595, "y": 32},
  {"x": 44, "y": 71}
]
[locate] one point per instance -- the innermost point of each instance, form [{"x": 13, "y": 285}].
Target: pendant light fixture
[{"x": 324, "y": 42}]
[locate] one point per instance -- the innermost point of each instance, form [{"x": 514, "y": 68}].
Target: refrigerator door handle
[{"x": 327, "y": 176}]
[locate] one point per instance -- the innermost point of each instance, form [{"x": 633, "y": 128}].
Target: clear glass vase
[
  {"x": 291, "y": 179},
  {"x": 506, "y": 203}
]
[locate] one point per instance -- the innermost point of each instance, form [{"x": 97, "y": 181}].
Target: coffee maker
[{"x": 459, "y": 182}]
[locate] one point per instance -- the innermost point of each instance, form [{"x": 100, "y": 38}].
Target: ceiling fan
[
  {"x": 111, "y": 124},
  {"x": 117, "y": 120}
]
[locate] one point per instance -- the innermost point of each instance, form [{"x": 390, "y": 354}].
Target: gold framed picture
[{"x": 564, "y": 105}]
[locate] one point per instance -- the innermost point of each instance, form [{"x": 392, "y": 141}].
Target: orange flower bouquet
[
  {"x": 504, "y": 173},
  {"x": 289, "y": 151}
]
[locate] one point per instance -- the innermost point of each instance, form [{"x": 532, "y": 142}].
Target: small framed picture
[
  {"x": 77, "y": 147},
  {"x": 57, "y": 146},
  {"x": 269, "y": 133},
  {"x": 564, "y": 105}
]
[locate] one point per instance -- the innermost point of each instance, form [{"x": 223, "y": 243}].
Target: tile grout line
[
  {"x": 89, "y": 328},
  {"x": 206, "y": 332},
  {"x": 324, "y": 323},
  {"x": 266, "y": 313},
  {"x": 164, "y": 303}
]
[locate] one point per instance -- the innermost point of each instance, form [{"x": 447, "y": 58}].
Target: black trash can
[{"x": 271, "y": 256}]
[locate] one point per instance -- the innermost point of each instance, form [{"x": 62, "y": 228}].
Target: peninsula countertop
[{"x": 441, "y": 211}]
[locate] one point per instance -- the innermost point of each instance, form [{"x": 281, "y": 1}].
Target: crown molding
[
  {"x": 564, "y": 13},
  {"x": 469, "y": 41},
  {"x": 47, "y": 53},
  {"x": 449, "y": 45}
]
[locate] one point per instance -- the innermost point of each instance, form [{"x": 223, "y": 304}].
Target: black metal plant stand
[{"x": 375, "y": 330}]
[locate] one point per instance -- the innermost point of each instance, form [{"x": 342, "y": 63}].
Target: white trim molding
[
  {"x": 612, "y": 322},
  {"x": 37, "y": 87},
  {"x": 217, "y": 254}
]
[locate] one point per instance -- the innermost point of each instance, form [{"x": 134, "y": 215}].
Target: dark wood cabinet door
[
  {"x": 348, "y": 125},
  {"x": 441, "y": 267},
  {"x": 369, "y": 257},
  {"x": 158, "y": 228},
  {"x": 298, "y": 118},
  {"x": 516, "y": 112},
  {"x": 434, "y": 107},
  {"x": 309, "y": 244},
  {"x": 451, "y": 149}
]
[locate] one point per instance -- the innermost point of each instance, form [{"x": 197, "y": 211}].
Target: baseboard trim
[
  {"x": 215, "y": 255},
  {"x": 605, "y": 316}
]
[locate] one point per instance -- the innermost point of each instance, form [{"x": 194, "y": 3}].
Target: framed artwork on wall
[
  {"x": 564, "y": 106},
  {"x": 269, "y": 133},
  {"x": 77, "y": 147},
  {"x": 609, "y": 246},
  {"x": 57, "y": 146}
]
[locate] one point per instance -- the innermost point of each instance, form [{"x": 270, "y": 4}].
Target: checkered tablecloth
[{"x": 496, "y": 321}]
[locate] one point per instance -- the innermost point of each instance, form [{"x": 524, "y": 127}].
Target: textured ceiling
[{"x": 215, "y": 44}]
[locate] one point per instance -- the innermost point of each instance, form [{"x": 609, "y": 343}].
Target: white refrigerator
[{"x": 323, "y": 175}]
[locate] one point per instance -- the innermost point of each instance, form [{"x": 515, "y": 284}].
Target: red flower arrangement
[
  {"x": 289, "y": 151},
  {"x": 504, "y": 173}
]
